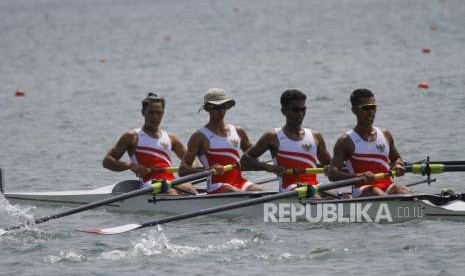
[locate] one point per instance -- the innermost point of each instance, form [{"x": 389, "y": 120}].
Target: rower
[
  {"x": 367, "y": 150},
  {"x": 149, "y": 147},
  {"x": 291, "y": 146},
  {"x": 218, "y": 144}
]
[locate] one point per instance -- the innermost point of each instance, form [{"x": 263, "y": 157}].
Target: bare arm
[
  {"x": 195, "y": 146},
  {"x": 178, "y": 147},
  {"x": 245, "y": 142},
  {"x": 343, "y": 150},
  {"x": 322, "y": 153},
  {"x": 249, "y": 159},
  {"x": 126, "y": 143},
  {"x": 394, "y": 156}
]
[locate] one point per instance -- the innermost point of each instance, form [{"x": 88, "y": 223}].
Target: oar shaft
[
  {"x": 347, "y": 182},
  {"x": 448, "y": 162},
  {"x": 420, "y": 182}
]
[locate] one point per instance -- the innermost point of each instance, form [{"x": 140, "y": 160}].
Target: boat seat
[{"x": 126, "y": 186}]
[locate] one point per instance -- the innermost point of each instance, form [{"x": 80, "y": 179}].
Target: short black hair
[
  {"x": 153, "y": 98},
  {"x": 292, "y": 95},
  {"x": 358, "y": 94}
]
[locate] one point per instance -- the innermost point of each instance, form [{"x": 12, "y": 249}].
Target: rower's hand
[
  {"x": 369, "y": 177},
  {"x": 275, "y": 169},
  {"x": 218, "y": 169},
  {"x": 399, "y": 169},
  {"x": 140, "y": 171}
]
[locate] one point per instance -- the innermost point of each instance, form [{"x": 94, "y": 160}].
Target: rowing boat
[{"x": 390, "y": 208}]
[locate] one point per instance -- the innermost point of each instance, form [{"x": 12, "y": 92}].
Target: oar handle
[
  {"x": 305, "y": 171},
  {"x": 225, "y": 168}
]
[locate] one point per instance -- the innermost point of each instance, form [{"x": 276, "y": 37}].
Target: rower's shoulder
[
  {"x": 269, "y": 134},
  {"x": 129, "y": 135},
  {"x": 316, "y": 133},
  {"x": 239, "y": 129},
  {"x": 197, "y": 136},
  {"x": 387, "y": 134},
  {"x": 385, "y": 131},
  {"x": 344, "y": 140},
  {"x": 173, "y": 137}
]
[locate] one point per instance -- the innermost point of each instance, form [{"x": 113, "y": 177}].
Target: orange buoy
[
  {"x": 103, "y": 60},
  {"x": 426, "y": 50},
  {"x": 423, "y": 85},
  {"x": 434, "y": 27},
  {"x": 20, "y": 93}
]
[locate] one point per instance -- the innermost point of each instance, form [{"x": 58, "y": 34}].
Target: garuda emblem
[
  {"x": 381, "y": 147},
  {"x": 306, "y": 147},
  {"x": 235, "y": 142}
]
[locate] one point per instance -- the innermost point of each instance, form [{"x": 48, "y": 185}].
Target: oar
[
  {"x": 433, "y": 168},
  {"x": 449, "y": 162},
  {"x": 156, "y": 187},
  {"x": 301, "y": 192},
  {"x": 305, "y": 171}
]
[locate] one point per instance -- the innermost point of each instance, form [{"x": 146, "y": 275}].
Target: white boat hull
[{"x": 393, "y": 208}]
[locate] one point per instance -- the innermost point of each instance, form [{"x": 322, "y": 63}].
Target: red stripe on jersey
[
  {"x": 374, "y": 167},
  {"x": 299, "y": 154},
  {"x": 369, "y": 155},
  {"x": 149, "y": 161},
  {"x": 288, "y": 180},
  {"x": 233, "y": 177},
  {"x": 154, "y": 150},
  {"x": 227, "y": 150}
]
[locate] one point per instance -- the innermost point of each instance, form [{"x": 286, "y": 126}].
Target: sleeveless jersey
[
  {"x": 223, "y": 151},
  {"x": 153, "y": 153},
  {"x": 296, "y": 155},
  {"x": 370, "y": 156}
]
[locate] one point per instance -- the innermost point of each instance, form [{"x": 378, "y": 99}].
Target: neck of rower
[
  {"x": 217, "y": 126},
  {"x": 365, "y": 131},
  {"x": 151, "y": 130},
  {"x": 293, "y": 131}
]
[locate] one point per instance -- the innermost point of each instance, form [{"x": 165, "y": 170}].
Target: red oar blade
[{"x": 111, "y": 231}]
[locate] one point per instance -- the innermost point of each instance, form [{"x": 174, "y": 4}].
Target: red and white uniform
[
  {"x": 153, "y": 153},
  {"x": 296, "y": 155},
  {"x": 369, "y": 156},
  {"x": 223, "y": 151}
]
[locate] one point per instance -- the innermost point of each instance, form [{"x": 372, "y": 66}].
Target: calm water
[{"x": 85, "y": 66}]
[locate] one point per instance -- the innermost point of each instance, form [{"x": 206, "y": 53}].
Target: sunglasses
[
  {"x": 220, "y": 107},
  {"x": 366, "y": 107},
  {"x": 297, "y": 109}
]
